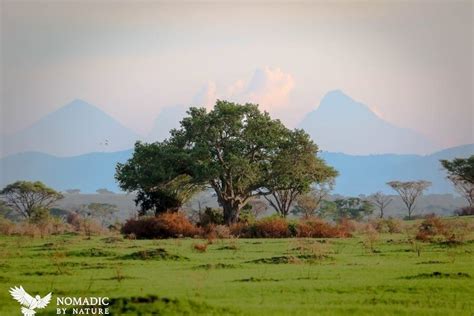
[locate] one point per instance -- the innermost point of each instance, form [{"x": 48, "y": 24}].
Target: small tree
[
  {"x": 102, "y": 212},
  {"x": 461, "y": 174},
  {"x": 353, "y": 208},
  {"x": 409, "y": 192},
  {"x": 381, "y": 201},
  {"x": 306, "y": 205},
  {"x": 293, "y": 170},
  {"x": 28, "y": 198}
]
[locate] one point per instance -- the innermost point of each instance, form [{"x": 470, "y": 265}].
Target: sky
[{"x": 411, "y": 62}]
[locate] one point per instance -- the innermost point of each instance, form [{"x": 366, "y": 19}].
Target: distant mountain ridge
[
  {"x": 341, "y": 124},
  {"x": 358, "y": 174},
  {"x": 74, "y": 129}
]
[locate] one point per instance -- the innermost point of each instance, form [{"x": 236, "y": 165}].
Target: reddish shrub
[
  {"x": 429, "y": 228},
  {"x": 165, "y": 225},
  {"x": 272, "y": 227},
  {"x": 317, "y": 228},
  {"x": 389, "y": 225},
  {"x": 200, "y": 247},
  {"x": 240, "y": 229}
]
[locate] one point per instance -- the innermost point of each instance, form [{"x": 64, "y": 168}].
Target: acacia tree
[
  {"x": 461, "y": 174},
  {"x": 381, "y": 201},
  {"x": 409, "y": 191},
  {"x": 156, "y": 175},
  {"x": 293, "y": 170},
  {"x": 28, "y": 198}
]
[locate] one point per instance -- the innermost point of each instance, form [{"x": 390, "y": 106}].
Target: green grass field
[{"x": 244, "y": 276}]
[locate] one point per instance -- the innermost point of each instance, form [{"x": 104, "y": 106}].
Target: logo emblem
[{"x": 29, "y": 302}]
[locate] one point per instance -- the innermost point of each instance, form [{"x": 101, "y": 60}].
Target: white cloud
[{"x": 270, "y": 88}]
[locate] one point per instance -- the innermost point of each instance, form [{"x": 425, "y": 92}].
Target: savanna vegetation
[{"x": 316, "y": 254}]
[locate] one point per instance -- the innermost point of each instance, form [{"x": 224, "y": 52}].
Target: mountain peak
[
  {"x": 341, "y": 124},
  {"x": 81, "y": 105}
]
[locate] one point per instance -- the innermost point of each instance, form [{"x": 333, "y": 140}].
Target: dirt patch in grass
[
  {"x": 252, "y": 279},
  {"x": 41, "y": 273},
  {"x": 112, "y": 240},
  {"x": 154, "y": 254},
  {"x": 210, "y": 266},
  {"x": 432, "y": 262},
  {"x": 439, "y": 275},
  {"x": 154, "y": 305},
  {"x": 229, "y": 247},
  {"x": 290, "y": 259},
  {"x": 92, "y": 252}
]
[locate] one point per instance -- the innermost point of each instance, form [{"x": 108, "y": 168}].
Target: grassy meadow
[{"x": 387, "y": 275}]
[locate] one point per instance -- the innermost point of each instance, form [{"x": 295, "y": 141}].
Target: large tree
[
  {"x": 28, "y": 198},
  {"x": 409, "y": 191},
  {"x": 236, "y": 149},
  {"x": 461, "y": 174},
  {"x": 155, "y": 173},
  {"x": 294, "y": 169}
]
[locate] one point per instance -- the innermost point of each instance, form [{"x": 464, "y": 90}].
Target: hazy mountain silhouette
[
  {"x": 74, "y": 129},
  {"x": 341, "y": 124},
  {"x": 358, "y": 174}
]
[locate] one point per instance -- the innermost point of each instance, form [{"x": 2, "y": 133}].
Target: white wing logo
[{"x": 29, "y": 302}]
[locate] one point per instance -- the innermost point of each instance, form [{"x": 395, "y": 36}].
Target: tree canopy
[
  {"x": 155, "y": 174},
  {"x": 26, "y": 197},
  {"x": 461, "y": 174},
  {"x": 409, "y": 191},
  {"x": 237, "y": 150}
]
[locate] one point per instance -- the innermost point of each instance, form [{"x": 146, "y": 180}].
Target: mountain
[
  {"x": 74, "y": 129},
  {"x": 341, "y": 124},
  {"x": 87, "y": 172},
  {"x": 358, "y": 174}
]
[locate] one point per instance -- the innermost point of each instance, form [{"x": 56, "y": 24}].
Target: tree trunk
[{"x": 231, "y": 212}]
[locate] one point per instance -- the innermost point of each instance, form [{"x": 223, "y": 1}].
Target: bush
[
  {"x": 240, "y": 230},
  {"x": 434, "y": 229},
  {"x": 212, "y": 231},
  {"x": 271, "y": 227},
  {"x": 211, "y": 216},
  {"x": 165, "y": 225},
  {"x": 317, "y": 228},
  {"x": 47, "y": 226},
  {"x": 389, "y": 225},
  {"x": 430, "y": 228}
]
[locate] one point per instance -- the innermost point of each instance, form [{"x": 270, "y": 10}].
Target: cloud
[
  {"x": 270, "y": 88},
  {"x": 206, "y": 96}
]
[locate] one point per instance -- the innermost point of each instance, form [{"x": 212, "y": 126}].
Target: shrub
[
  {"x": 200, "y": 247},
  {"x": 371, "y": 236},
  {"x": 430, "y": 228},
  {"x": 389, "y": 225},
  {"x": 211, "y": 216},
  {"x": 271, "y": 227},
  {"x": 165, "y": 225},
  {"x": 240, "y": 229},
  {"x": 317, "y": 228}
]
